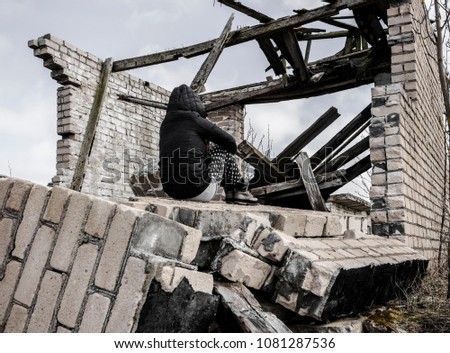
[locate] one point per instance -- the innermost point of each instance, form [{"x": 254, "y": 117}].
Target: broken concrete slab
[
  {"x": 238, "y": 263},
  {"x": 159, "y": 236},
  {"x": 179, "y": 298},
  {"x": 182, "y": 310},
  {"x": 170, "y": 273},
  {"x": 219, "y": 219},
  {"x": 239, "y": 311},
  {"x": 325, "y": 281}
]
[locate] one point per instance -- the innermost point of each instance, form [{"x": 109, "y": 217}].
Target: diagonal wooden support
[
  {"x": 288, "y": 44},
  {"x": 306, "y": 137},
  {"x": 94, "y": 117},
  {"x": 268, "y": 170},
  {"x": 198, "y": 84},
  {"x": 311, "y": 186},
  {"x": 342, "y": 135}
]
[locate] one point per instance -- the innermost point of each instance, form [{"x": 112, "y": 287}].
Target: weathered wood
[
  {"x": 350, "y": 174},
  {"x": 295, "y": 184},
  {"x": 342, "y": 135},
  {"x": 338, "y": 76},
  {"x": 94, "y": 117},
  {"x": 334, "y": 152},
  {"x": 247, "y": 10},
  {"x": 247, "y": 314},
  {"x": 310, "y": 183},
  {"x": 346, "y": 156},
  {"x": 236, "y": 37},
  {"x": 324, "y": 187},
  {"x": 308, "y": 50},
  {"x": 268, "y": 170},
  {"x": 333, "y": 22},
  {"x": 141, "y": 101},
  {"x": 272, "y": 56},
  {"x": 198, "y": 83},
  {"x": 288, "y": 44},
  {"x": 306, "y": 137}
]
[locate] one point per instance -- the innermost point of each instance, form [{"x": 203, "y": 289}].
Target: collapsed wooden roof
[
  {"x": 364, "y": 55},
  {"x": 292, "y": 178}
]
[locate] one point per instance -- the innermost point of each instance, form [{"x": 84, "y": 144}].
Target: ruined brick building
[{"x": 96, "y": 261}]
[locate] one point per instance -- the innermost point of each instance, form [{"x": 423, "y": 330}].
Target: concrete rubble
[
  {"x": 321, "y": 266},
  {"x": 72, "y": 262}
]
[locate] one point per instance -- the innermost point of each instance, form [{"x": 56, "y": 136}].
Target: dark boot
[{"x": 239, "y": 194}]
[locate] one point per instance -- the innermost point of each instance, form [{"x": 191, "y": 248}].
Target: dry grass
[{"x": 426, "y": 309}]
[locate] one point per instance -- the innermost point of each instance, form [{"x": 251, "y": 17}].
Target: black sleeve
[{"x": 213, "y": 133}]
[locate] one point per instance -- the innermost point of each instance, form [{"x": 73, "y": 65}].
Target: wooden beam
[
  {"x": 94, "y": 117},
  {"x": 351, "y": 173},
  {"x": 339, "y": 148},
  {"x": 346, "y": 156},
  {"x": 243, "y": 312},
  {"x": 290, "y": 185},
  {"x": 342, "y": 135},
  {"x": 340, "y": 74},
  {"x": 324, "y": 186},
  {"x": 310, "y": 183},
  {"x": 198, "y": 84},
  {"x": 272, "y": 56},
  {"x": 340, "y": 24},
  {"x": 247, "y": 10},
  {"x": 260, "y": 162},
  {"x": 306, "y": 137},
  {"x": 236, "y": 37},
  {"x": 141, "y": 101},
  {"x": 288, "y": 44}
]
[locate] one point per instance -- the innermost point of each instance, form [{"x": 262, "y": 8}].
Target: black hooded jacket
[{"x": 184, "y": 135}]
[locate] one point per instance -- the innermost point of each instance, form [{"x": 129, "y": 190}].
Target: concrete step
[{"x": 317, "y": 264}]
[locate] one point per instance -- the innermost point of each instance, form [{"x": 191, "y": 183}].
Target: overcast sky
[{"x": 126, "y": 28}]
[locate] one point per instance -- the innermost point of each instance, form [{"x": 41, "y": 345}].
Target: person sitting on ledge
[{"x": 195, "y": 155}]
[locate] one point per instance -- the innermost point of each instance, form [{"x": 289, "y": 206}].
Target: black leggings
[{"x": 223, "y": 167}]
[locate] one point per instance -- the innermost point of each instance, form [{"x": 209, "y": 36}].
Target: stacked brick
[
  {"x": 127, "y": 134},
  {"x": 230, "y": 119},
  {"x": 75, "y": 263},
  {"x": 407, "y": 137}
]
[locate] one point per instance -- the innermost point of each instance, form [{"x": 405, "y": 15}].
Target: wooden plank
[
  {"x": 94, "y": 117},
  {"x": 310, "y": 183},
  {"x": 288, "y": 44},
  {"x": 272, "y": 56},
  {"x": 306, "y": 137},
  {"x": 247, "y": 314},
  {"x": 345, "y": 157},
  {"x": 268, "y": 170},
  {"x": 198, "y": 83},
  {"x": 339, "y": 76},
  {"x": 247, "y": 10},
  {"x": 236, "y": 37},
  {"x": 342, "y": 135},
  {"x": 351, "y": 173},
  {"x": 340, "y": 24},
  {"x": 324, "y": 187},
  {"x": 291, "y": 185},
  {"x": 334, "y": 152},
  {"x": 141, "y": 101}
]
